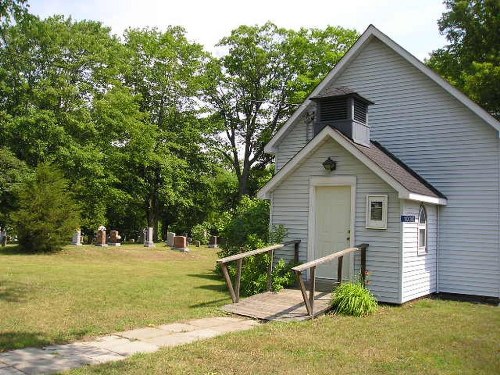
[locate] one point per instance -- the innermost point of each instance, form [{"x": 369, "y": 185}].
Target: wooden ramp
[{"x": 286, "y": 305}]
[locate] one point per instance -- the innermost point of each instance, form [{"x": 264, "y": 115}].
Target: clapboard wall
[{"x": 290, "y": 207}]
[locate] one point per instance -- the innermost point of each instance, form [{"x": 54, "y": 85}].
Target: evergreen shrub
[{"x": 47, "y": 215}]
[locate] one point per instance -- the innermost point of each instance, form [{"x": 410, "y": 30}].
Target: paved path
[{"x": 117, "y": 346}]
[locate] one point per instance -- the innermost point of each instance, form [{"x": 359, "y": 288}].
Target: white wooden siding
[
  {"x": 290, "y": 207},
  {"x": 419, "y": 273},
  {"x": 450, "y": 147},
  {"x": 292, "y": 143}
]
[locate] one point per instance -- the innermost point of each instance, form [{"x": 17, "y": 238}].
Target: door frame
[{"x": 330, "y": 181}]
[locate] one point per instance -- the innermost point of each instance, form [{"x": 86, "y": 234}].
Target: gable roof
[
  {"x": 391, "y": 170},
  {"x": 370, "y": 33}
]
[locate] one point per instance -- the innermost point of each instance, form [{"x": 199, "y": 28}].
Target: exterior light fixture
[{"x": 329, "y": 164}]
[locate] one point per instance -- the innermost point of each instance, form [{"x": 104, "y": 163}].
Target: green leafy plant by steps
[
  {"x": 353, "y": 298},
  {"x": 246, "y": 229}
]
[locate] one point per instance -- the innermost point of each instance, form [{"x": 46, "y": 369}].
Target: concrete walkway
[{"x": 115, "y": 347}]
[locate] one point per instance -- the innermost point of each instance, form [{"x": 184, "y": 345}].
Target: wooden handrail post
[
  {"x": 304, "y": 293},
  {"x": 296, "y": 252},
  {"x": 312, "y": 289},
  {"x": 339, "y": 269},
  {"x": 363, "y": 263},
  {"x": 239, "y": 263},
  {"x": 270, "y": 271},
  {"x": 309, "y": 300},
  {"x": 228, "y": 282}
]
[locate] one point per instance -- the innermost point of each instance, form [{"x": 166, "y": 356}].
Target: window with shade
[{"x": 422, "y": 231}]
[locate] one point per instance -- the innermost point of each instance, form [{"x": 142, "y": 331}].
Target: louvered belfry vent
[
  {"x": 333, "y": 109},
  {"x": 343, "y": 109}
]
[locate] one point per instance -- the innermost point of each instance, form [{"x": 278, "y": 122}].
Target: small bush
[
  {"x": 254, "y": 275},
  {"x": 201, "y": 232},
  {"x": 354, "y": 299},
  {"x": 247, "y": 228}
]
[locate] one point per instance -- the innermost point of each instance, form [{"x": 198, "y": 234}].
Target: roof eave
[
  {"x": 370, "y": 33},
  {"x": 296, "y": 161}
]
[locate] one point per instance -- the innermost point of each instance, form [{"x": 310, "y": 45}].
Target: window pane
[
  {"x": 376, "y": 210},
  {"x": 421, "y": 237},
  {"x": 422, "y": 216}
]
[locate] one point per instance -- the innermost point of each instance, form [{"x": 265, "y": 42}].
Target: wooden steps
[{"x": 286, "y": 305}]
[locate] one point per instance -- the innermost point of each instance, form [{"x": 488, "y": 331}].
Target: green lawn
[
  {"x": 424, "y": 337},
  {"x": 90, "y": 291}
]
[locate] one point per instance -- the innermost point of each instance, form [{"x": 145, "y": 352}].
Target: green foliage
[
  {"x": 201, "y": 232},
  {"x": 257, "y": 85},
  {"x": 165, "y": 71},
  {"x": 248, "y": 227},
  {"x": 471, "y": 60},
  {"x": 282, "y": 275},
  {"x": 352, "y": 298},
  {"x": 254, "y": 273},
  {"x": 13, "y": 173},
  {"x": 47, "y": 214}
]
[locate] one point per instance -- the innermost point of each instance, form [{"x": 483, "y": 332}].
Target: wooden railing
[
  {"x": 309, "y": 300},
  {"x": 238, "y": 258}
]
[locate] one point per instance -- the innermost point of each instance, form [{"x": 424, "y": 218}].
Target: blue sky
[{"x": 411, "y": 23}]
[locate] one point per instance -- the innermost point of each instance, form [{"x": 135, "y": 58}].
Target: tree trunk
[
  {"x": 243, "y": 181},
  {"x": 153, "y": 208}
]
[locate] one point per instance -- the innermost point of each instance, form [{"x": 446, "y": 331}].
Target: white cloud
[{"x": 411, "y": 23}]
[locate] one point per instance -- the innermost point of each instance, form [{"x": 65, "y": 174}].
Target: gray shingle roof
[
  {"x": 398, "y": 170},
  {"x": 341, "y": 91}
]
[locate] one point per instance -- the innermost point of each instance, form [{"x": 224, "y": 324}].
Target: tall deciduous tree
[
  {"x": 11, "y": 11},
  {"x": 471, "y": 60},
  {"x": 265, "y": 74},
  {"x": 12, "y": 173},
  {"x": 55, "y": 77},
  {"x": 165, "y": 70}
]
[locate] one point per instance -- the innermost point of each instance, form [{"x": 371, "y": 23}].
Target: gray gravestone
[{"x": 170, "y": 239}]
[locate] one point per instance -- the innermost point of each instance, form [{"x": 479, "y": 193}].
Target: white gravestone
[
  {"x": 148, "y": 237},
  {"x": 77, "y": 238}
]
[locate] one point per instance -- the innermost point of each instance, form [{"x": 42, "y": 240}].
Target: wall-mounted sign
[{"x": 407, "y": 218}]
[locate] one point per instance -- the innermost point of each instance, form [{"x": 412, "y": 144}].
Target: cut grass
[
  {"x": 85, "y": 292},
  {"x": 89, "y": 291},
  {"x": 424, "y": 337}
]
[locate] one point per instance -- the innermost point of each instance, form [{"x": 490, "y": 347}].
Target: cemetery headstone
[
  {"x": 114, "y": 238},
  {"x": 170, "y": 239},
  {"x": 180, "y": 243},
  {"x": 148, "y": 237},
  {"x": 77, "y": 238},
  {"x": 213, "y": 242},
  {"x": 3, "y": 237},
  {"x": 101, "y": 236}
]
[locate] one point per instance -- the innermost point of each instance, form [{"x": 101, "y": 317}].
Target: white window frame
[
  {"x": 422, "y": 250},
  {"x": 376, "y": 224}
]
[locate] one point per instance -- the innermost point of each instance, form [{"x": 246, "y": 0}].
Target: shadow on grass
[
  {"x": 208, "y": 276},
  {"x": 219, "y": 287},
  {"x": 12, "y": 291},
  {"x": 19, "y": 340},
  {"x": 214, "y": 303},
  {"x": 16, "y": 250}
]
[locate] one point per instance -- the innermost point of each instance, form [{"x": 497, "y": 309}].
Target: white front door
[{"x": 332, "y": 228}]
